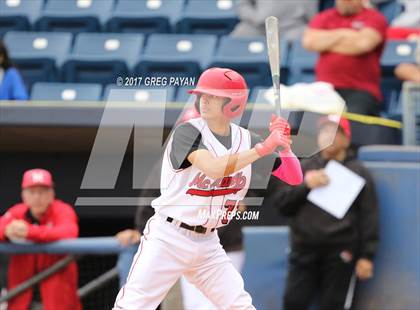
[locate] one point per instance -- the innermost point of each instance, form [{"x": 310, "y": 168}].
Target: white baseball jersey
[{"x": 190, "y": 196}]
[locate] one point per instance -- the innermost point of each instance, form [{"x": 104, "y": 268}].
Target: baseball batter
[{"x": 206, "y": 170}]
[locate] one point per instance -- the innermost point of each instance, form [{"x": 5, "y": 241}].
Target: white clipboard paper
[{"x": 337, "y": 197}]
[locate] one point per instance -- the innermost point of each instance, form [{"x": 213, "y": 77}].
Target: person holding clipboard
[{"x": 328, "y": 252}]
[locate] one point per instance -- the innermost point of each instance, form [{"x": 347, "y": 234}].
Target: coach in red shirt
[
  {"x": 41, "y": 218},
  {"x": 350, "y": 39}
]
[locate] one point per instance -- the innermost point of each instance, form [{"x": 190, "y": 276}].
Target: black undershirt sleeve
[{"x": 186, "y": 139}]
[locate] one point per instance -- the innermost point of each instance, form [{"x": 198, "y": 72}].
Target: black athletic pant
[
  {"x": 323, "y": 275},
  {"x": 360, "y": 101}
]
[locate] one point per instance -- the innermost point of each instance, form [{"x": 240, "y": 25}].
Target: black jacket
[{"x": 313, "y": 227}]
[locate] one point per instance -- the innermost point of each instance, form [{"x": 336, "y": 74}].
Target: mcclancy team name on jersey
[
  {"x": 187, "y": 193},
  {"x": 204, "y": 186}
]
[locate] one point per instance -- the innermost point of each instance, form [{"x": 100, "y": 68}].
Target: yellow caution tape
[{"x": 372, "y": 120}]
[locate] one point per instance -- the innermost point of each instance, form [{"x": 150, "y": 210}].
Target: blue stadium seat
[
  {"x": 176, "y": 55},
  {"x": 18, "y": 14},
  {"x": 249, "y": 57},
  {"x": 75, "y": 15},
  {"x": 395, "y": 52},
  {"x": 139, "y": 94},
  {"x": 325, "y": 4},
  {"x": 145, "y": 16},
  {"x": 389, "y": 153},
  {"x": 302, "y": 64},
  {"x": 102, "y": 57},
  {"x": 390, "y": 9},
  {"x": 38, "y": 54},
  {"x": 208, "y": 17},
  {"x": 66, "y": 92}
]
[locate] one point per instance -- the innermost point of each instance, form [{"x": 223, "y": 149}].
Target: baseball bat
[{"x": 273, "y": 50}]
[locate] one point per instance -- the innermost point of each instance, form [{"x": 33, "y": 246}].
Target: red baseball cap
[
  {"x": 37, "y": 177},
  {"x": 340, "y": 121}
]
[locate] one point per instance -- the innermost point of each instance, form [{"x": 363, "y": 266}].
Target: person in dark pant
[
  {"x": 360, "y": 101},
  {"x": 327, "y": 251}
]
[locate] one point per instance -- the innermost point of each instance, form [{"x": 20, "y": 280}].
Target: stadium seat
[
  {"x": 208, "y": 17},
  {"x": 66, "y": 92},
  {"x": 390, "y": 9},
  {"x": 302, "y": 64},
  {"x": 325, "y": 4},
  {"x": 249, "y": 57},
  {"x": 145, "y": 16},
  {"x": 389, "y": 153},
  {"x": 139, "y": 94},
  {"x": 395, "y": 52},
  {"x": 38, "y": 54},
  {"x": 176, "y": 55},
  {"x": 102, "y": 57},
  {"x": 18, "y": 14},
  {"x": 75, "y": 15}
]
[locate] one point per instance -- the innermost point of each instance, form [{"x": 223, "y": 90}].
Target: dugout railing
[{"x": 73, "y": 249}]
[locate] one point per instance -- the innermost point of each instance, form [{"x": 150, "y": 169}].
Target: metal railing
[{"x": 74, "y": 248}]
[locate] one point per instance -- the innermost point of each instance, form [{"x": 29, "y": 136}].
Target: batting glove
[
  {"x": 279, "y": 123},
  {"x": 273, "y": 141}
]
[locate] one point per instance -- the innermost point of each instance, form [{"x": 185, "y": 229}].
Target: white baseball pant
[
  {"x": 193, "y": 299},
  {"x": 168, "y": 251}
]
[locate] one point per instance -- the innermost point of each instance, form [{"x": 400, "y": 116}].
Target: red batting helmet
[{"x": 224, "y": 82}]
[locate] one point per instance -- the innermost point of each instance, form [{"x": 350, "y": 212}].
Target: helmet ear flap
[
  {"x": 197, "y": 102},
  {"x": 227, "y": 101}
]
